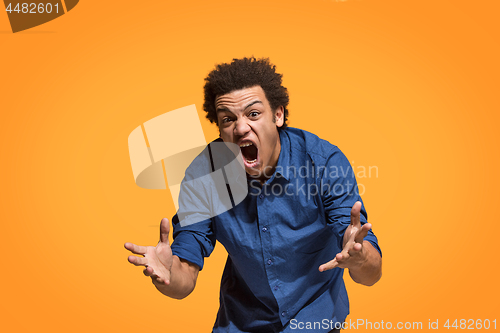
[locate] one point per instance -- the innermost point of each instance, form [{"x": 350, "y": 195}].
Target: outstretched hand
[
  {"x": 157, "y": 260},
  {"x": 354, "y": 252}
]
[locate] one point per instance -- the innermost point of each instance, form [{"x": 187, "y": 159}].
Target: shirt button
[
  {"x": 264, "y": 229},
  {"x": 269, "y": 261},
  {"x": 261, "y": 196},
  {"x": 283, "y": 313},
  {"x": 276, "y": 287}
]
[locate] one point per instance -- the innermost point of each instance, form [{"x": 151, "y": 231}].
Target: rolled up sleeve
[
  {"x": 194, "y": 242},
  {"x": 340, "y": 192}
]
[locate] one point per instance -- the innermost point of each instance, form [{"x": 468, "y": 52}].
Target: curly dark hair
[{"x": 245, "y": 73}]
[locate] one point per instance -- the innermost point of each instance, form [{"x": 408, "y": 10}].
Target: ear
[{"x": 279, "y": 116}]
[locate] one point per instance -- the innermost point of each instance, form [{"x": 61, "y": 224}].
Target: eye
[
  {"x": 253, "y": 114},
  {"x": 226, "y": 120}
]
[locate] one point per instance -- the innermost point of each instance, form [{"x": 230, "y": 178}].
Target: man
[{"x": 300, "y": 225}]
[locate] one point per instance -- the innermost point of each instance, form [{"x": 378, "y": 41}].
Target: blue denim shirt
[{"x": 278, "y": 237}]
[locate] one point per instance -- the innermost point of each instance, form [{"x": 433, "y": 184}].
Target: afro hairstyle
[{"x": 245, "y": 73}]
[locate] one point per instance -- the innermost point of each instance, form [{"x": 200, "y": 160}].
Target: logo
[
  {"x": 26, "y": 15},
  {"x": 204, "y": 180}
]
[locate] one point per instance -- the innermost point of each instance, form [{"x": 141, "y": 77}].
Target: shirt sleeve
[
  {"x": 194, "y": 237},
  {"x": 193, "y": 242},
  {"x": 339, "y": 191}
]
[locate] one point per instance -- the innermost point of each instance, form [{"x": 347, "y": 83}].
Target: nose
[{"x": 241, "y": 127}]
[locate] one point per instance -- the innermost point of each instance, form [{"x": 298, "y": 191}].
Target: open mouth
[{"x": 250, "y": 152}]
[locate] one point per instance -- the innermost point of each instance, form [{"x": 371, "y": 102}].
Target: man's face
[{"x": 245, "y": 118}]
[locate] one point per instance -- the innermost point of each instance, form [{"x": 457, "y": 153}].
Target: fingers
[
  {"x": 352, "y": 251},
  {"x": 362, "y": 233},
  {"x": 342, "y": 259},
  {"x": 148, "y": 271},
  {"x": 355, "y": 211},
  {"x": 135, "y": 249},
  {"x": 329, "y": 265},
  {"x": 332, "y": 263},
  {"x": 164, "y": 230},
  {"x": 138, "y": 261},
  {"x": 157, "y": 279}
]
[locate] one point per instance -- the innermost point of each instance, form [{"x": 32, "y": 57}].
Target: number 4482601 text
[
  {"x": 33, "y": 8},
  {"x": 471, "y": 324}
]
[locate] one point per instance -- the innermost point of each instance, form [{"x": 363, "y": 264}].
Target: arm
[
  {"x": 171, "y": 275},
  {"x": 370, "y": 269},
  {"x": 360, "y": 257},
  {"x": 183, "y": 276}
]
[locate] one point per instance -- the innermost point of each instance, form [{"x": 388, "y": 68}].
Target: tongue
[{"x": 250, "y": 152}]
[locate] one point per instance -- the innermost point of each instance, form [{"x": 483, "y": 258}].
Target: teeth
[
  {"x": 246, "y": 144},
  {"x": 253, "y": 161}
]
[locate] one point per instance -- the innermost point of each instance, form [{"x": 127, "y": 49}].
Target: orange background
[{"x": 410, "y": 87}]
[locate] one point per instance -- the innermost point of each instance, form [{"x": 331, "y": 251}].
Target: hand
[
  {"x": 157, "y": 259},
  {"x": 353, "y": 253}
]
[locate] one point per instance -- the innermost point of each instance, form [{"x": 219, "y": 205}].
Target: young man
[{"x": 289, "y": 240}]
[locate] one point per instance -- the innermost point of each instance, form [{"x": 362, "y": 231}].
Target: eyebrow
[{"x": 222, "y": 108}]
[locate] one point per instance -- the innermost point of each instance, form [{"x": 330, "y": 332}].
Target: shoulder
[
  {"x": 203, "y": 163},
  {"x": 307, "y": 143}
]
